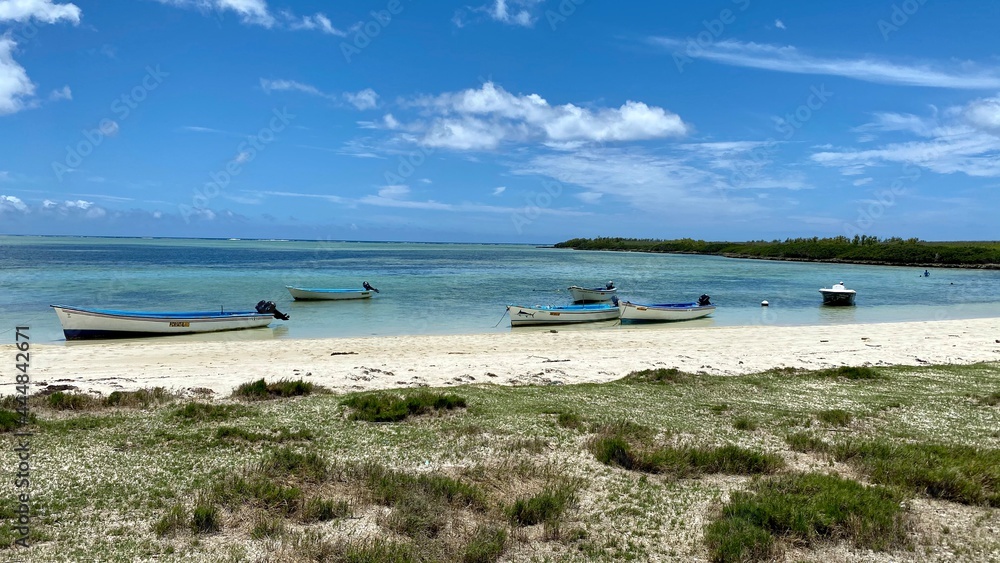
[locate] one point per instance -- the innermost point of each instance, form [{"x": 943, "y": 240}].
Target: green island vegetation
[
  {"x": 853, "y": 463},
  {"x": 862, "y": 249}
]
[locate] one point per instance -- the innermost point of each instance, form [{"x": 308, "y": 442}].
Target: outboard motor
[
  {"x": 269, "y": 308},
  {"x": 704, "y": 300},
  {"x": 369, "y": 287},
  {"x": 614, "y": 299}
]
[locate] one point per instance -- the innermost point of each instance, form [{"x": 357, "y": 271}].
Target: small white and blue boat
[
  {"x": 81, "y": 323},
  {"x": 665, "y": 312},
  {"x": 560, "y": 314},
  {"x": 593, "y": 294},
  {"x": 319, "y": 294}
]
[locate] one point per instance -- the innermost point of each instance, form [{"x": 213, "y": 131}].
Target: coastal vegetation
[
  {"x": 874, "y": 463},
  {"x": 861, "y": 249}
]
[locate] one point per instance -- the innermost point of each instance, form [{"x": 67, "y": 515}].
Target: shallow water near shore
[{"x": 431, "y": 288}]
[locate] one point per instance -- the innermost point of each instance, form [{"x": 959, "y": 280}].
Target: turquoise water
[{"x": 447, "y": 288}]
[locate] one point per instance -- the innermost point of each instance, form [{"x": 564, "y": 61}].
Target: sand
[{"x": 556, "y": 355}]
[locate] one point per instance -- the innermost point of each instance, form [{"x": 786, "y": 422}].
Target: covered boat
[
  {"x": 560, "y": 314},
  {"x": 593, "y": 295},
  {"x": 838, "y": 295},
  {"x": 316, "y": 294},
  {"x": 665, "y": 312},
  {"x": 80, "y": 323}
]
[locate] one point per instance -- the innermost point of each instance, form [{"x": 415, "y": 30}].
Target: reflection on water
[{"x": 836, "y": 315}]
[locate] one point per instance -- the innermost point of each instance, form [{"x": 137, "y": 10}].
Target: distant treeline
[{"x": 861, "y": 249}]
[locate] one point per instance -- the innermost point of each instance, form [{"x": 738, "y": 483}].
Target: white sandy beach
[{"x": 516, "y": 358}]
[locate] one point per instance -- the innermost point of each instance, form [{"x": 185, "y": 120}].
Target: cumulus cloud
[
  {"x": 12, "y": 204},
  {"x": 779, "y": 24},
  {"x": 482, "y": 118},
  {"x": 365, "y": 99},
  {"x": 16, "y": 89},
  {"x": 42, "y": 10}
]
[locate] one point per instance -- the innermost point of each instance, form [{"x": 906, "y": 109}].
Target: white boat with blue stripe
[
  {"x": 560, "y": 314},
  {"x": 321, "y": 294},
  {"x": 82, "y": 323},
  {"x": 665, "y": 312}
]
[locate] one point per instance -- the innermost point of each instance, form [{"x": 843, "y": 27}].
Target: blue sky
[{"x": 500, "y": 121}]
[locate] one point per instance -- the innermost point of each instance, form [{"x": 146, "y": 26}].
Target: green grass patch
[
  {"x": 234, "y": 434},
  {"x": 661, "y": 375},
  {"x": 570, "y": 420},
  {"x": 806, "y": 442},
  {"x": 744, "y": 422},
  {"x": 991, "y": 400},
  {"x": 206, "y": 412},
  {"x": 548, "y": 506},
  {"x": 854, "y": 373},
  {"x": 322, "y": 510},
  {"x": 71, "y": 401},
  {"x": 389, "y": 487},
  {"x": 205, "y": 518},
  {"x": 390, "y": 407},
  {"x": 682, "y": 461},
  {"x": 261, "y": 390},
  {"x": 834, "y": 417},
  {"x": 8, "y": 420},
  {"x": 486, "y": 545},
  {"x": 140, "y": 399},
  {"x": 805, "y": 508},
  {"x": 963, "y": 474},
  {"x": 309, "y": 466},
  {"x": 175, "y": 520}
]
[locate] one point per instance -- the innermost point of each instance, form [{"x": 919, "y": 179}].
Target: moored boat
[
  {"x": 593, "y": 295},
  {"x": 665, "y": 312},
  {"x": 80, "y": 323},
  {"x": 320, "y": 294},
  {"x": 560, "y": 314},
  {"x": 838, "y": 295}
]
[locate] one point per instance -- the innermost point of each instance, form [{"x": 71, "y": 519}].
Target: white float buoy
[{"x": 763, "y": 303}]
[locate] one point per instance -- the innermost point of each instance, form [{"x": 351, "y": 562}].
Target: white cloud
[
  {"x": 499, "y": 190},
  {"x": 394, "y": 192},
  {"x": 791, "y": 60},
  {"x": 390, "y": 121},
  {"x": 285, "y": 85},
  {"x": 483, "y": 118},
  {"x": 510, "y": 12},
  {"x": 9, "y": 203},
  {"x": 41, "y": 10},
  {"x": 862, "y": 182},
  {"x": 779, "y": 24},
  {"x": 984, "y": 114},
  {"x": 63, "y": 93},
  {"x": 254, "y": 12},
  {"x": 317, "y": 21},
  {"x": 365, "y": 99},
  {"x": 960, "y": 139},
  {"x": 16, "y": 89}
]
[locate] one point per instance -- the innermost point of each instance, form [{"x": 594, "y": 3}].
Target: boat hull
[
  {"x": 311, "y": 294},
  {"x": 593, "y": 295},
  {"x": 81, "y": 324},
  {"x": 838, "y": 298},
  {"x": 663, "y": 312},
  {"x": 546, "y": 315}
]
